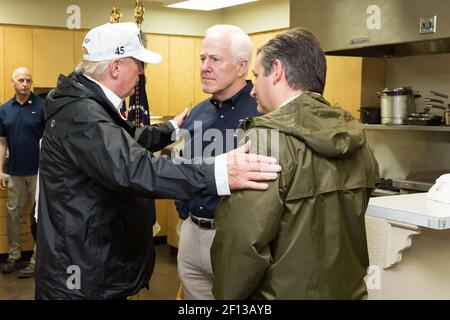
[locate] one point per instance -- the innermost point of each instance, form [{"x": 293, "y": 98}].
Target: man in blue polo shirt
[
  {"x": 225, "y": 58},
  {"x": 21, "y": 127}
]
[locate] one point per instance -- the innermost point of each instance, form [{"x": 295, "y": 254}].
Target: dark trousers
[{"x": 33, "y": 223}]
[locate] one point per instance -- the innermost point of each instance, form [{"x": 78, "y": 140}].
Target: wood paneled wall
[{"x": 175, "y": 83}]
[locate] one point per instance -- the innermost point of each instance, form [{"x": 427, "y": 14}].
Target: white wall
[
  {"x": 157, "y": 19},
  {"x": 423, "y": 270},
  {"x": 423, "y": 73},
  {"x": 259, "y": 16},
  {"x": 401, "y": 152},
  {"x": 255, "y": 17}
]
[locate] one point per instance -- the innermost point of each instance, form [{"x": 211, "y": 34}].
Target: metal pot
[
  {"x": 370, "y": 115},
  {"x": 447, "y": 118},
  {"x": 397, "y": 104}
]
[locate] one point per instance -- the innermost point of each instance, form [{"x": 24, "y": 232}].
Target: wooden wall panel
[
  {"x": 181, "y": 73},
  {"x": 329, "y": 83},
  {"x": 2, "y": 69},
  {"x": 161, "y": 215},
  {"x": 18, "y": 51},
  {"x": 259, "y": 39},
  {"x": 172, "y": 219},
  {"x": 157, "y": 76},
  {"x": 78, "y": 37},
  {"x": 52, "y": 55},
  {"x": 373, "y": 80},
  {"x": 347, "y": 84},
  {"x": 199, "y": 95}
]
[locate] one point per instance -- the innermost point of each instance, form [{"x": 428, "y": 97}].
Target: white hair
[
  {"x": 94, "y": 69},
  {"x": 241, "y": 45}
]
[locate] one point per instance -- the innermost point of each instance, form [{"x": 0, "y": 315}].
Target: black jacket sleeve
[
  {"x": 154, "y": 137},
  {"x": 107, "y": 153}
]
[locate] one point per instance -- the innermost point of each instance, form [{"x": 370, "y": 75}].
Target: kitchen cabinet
[
  {"x": 18, "y": 51},
  {"x": 53, "y": 54}
]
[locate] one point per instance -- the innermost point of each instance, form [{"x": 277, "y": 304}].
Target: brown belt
[{"x": 203, "y": 223}]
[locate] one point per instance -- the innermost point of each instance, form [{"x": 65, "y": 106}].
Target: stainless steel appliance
[
  {"x": 397, "y": 104},
  {"x": 414, "y": 182},
  {"x": 376, "y": 28},
  {"x": 418, "y": 181}
]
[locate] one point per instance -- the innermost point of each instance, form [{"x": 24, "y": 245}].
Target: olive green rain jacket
[{"x": 305, "y": 237}]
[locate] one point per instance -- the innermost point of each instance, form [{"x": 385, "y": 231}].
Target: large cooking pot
[
  {"x": 370, "y": 115},
  {"x": 397, "y": 104},
  {"x": 447, "y": 116}
]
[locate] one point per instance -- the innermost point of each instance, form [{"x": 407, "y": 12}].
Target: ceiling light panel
[{"x": 208, "y": 5}]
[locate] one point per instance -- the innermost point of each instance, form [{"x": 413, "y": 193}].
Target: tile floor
[{"x": 164, "y": 283}]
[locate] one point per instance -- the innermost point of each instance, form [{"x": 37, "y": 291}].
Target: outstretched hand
[
  {"x": 244, "y": 169},
  {"x": 179, "y": 119}
]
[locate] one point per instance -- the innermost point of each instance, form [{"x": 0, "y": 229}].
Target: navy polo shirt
[
  {"x": 211, "y": 128},
  {"x": 22, "y": 125}
]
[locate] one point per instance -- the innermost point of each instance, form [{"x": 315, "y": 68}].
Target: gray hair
[
  {"x": 94, "y": 69},
  {"x": 241, "y": 44},
  {"x": 301, "y": 56}
]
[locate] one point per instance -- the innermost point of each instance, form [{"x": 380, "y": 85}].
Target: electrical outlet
[{"x": 427, "y": 24}]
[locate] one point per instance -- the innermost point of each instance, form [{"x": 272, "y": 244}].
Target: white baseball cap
[{"x": 117, "y": 40}]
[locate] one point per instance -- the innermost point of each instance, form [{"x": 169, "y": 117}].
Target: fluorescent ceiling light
[{"x": 208, "y": 5}]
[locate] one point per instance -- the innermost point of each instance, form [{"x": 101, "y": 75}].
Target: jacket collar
[{"x": 102, "y": 99}]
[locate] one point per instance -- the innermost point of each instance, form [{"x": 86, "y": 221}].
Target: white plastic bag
[{"x": 440, "y": 191}]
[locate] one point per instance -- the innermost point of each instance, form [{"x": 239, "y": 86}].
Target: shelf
[{"x": 405, "y": 127}]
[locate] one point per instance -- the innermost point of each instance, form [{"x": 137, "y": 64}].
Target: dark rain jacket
[
  {"x": 94, "y": 228},
  {"x": 305, "y": 237}
]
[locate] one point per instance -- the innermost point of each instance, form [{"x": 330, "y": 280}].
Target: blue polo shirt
[
  {"x": 207, "y": 126},
  {"x": 22, "y": 125}
]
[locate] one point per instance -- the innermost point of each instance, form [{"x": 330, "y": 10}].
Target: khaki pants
[
  {"x": 20, "y": 189},
  {"x": 194, "y": 261}
]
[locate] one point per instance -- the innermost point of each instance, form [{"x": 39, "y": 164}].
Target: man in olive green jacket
[{"x": 305, "y": 237}]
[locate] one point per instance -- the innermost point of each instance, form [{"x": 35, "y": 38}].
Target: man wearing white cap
[{"x": 94, "y": 232}]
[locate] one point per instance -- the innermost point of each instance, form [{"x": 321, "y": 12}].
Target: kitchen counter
[
  {"x": 414, "y": 209},
  {"x": 408, "y": 237}
]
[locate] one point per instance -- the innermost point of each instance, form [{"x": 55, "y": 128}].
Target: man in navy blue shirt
[
  {"x": 21, "y": 127},
  {"x": 211, "y": 130}
]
